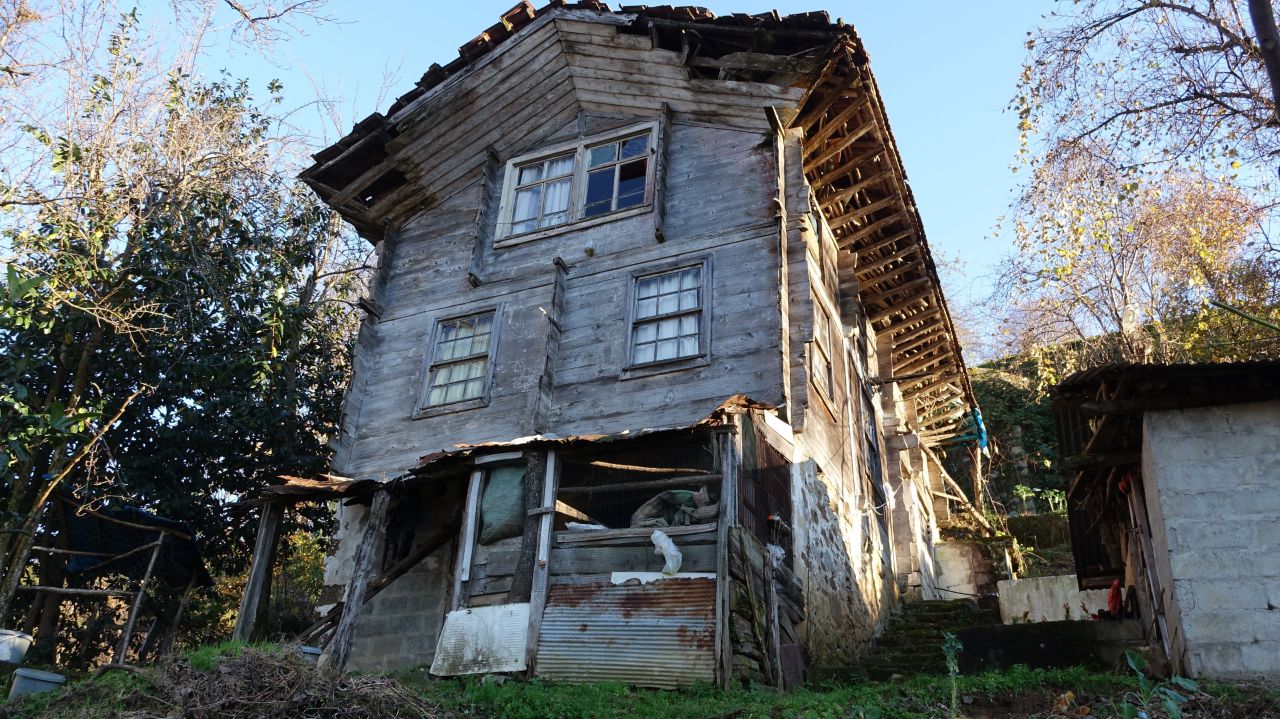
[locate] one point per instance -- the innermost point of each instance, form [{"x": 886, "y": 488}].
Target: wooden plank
[
  {"x": 890, "y": 275},
  {"x": 829, "y": 176},
  {"x": 689, "y": 481},
  {"x": 603, "y": 560},
  {"x": 837, "y": 122},
  {"x": 258, "y": 584},
  {"x": 470, "y": 516},
  {"x": 645, "y": 469},
  {"x": 886, "y": 243},
  {"x": 901, "y": 304},
  {"x": 362, "y": 567},
  {"x": 893, "y": 200},
  {"x": 592, "y": 535}
]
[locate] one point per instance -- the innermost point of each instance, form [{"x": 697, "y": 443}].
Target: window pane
[
  {"x": 530, "y": 173},
  {"x": 646, "y": 308},
  {"x": 562, "y": 165},
  {"x": 454, "y": 393},
  {"x": 631, "y": 180},
  {"x": 527, "y": 203},
  {"x": 435, "y": 396},
  {"x": 691, "y": 278},
  {"x": 669, "y": 282},
  {"x": 689, "y": 325},
  {"x": 524, "y": 226},
  {"x": 599, "y": 192},
  {"x": 666, "y": 349},
  {"x": 668, "y": 328},
  {"x": 558, "y": 218},
  {"x": 643, "y": 354},
  {"x": 473, "y": 389},
  {"x": 689, "y": 300},
  {"x": 647, "y": 332},
  {"x": 556, "y": 196},
  {"x": 688, "y": 346},
  {"x": 635, "y": 146},
  {"x": 603, "y": 154},
  {"x": 668, "y": 303},
  {"x": 648, "y": 287}
]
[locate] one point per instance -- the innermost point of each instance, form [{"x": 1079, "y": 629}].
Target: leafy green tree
[{"x": 175, "y": 310}]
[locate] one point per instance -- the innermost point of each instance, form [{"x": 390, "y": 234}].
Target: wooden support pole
[
  {"x": 462, "y": 564},
  {"x": 728, "y": 453},
  {"x": 257, "y": 588},
  {"x": 123, "y": 648},
  {"x": 375, "y": 527},
  {"x": 534, "y": 480},
  {"x": 542, "y": 564}
]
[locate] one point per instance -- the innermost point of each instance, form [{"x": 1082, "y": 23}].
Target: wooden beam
[
  {"x": 826, "y": 178},
  {"x": 892, "y": 200},
  {"x": 902, "y": 304},
  {"x": 842, "y": 86},
  {"x": 923, "y": 329},
  {"x": 851, "y": 239},
  {"x": 122, "y": 648},
  {"x": 840, "y": 146},
  {"x": 901, "y": 350},
  {"x": 837, "y": 121},
  {"x": 903, "y": 288},
  {"x": 361, "y": 569},
  {"x": 645, "y": 469},
  {"x": 462, "y": 564},
  {"x": 920, "y": 388},
  {"x": 891, "y": 274},
  {"x": 920, "y": 363},
  {"x": 924, "y": 314},
  {"x": 689, "y": 481},
  {"x": 1102, "y": 459},
  {"x": 881, "y": 262},
  {"x": 859, "y": 186},
  {"x": 728, "y": 451},
  {"x": 75, "y": 592},
  {"x": 258, "y": 585}
]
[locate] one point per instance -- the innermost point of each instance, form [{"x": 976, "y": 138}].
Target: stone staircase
[{"x": 912, "y": 641}]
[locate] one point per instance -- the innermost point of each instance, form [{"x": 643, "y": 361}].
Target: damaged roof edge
[{"x": 446, "y": 462}]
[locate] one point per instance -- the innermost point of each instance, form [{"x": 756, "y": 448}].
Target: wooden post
[
  {"x": 257, "y": 589},
  {"x": 123, "y": 647},
  {"x": 361, "y": 570},
  {"x": 975, "y": 453},
  {"x": 728, "y": 452},
  {"x": 542, "y": 564},
  {"x": 534, "y": 478}
]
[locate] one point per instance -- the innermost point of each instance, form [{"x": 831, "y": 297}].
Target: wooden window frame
[
  {"x": 632, "y": 369},
  {"x": 578, "y": 189},
  {"x": 421, "y": 408}
]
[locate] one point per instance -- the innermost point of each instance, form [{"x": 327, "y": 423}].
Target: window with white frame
[
  {"x": 459, "y": 366},
  {"x": 667, "y": 316},
  {"x": 588, "y": 179}
]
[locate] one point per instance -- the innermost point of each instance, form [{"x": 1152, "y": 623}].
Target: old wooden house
[{"x": 646, "y": 277}]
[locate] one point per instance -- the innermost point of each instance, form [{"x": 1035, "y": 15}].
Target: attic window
[{"x": 590, "y": 179}]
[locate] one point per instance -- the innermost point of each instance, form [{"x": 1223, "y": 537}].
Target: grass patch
[{"x": 918, "y": 697}]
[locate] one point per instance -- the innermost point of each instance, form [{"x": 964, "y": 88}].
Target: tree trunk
[{"x": 1264, "y": 26}]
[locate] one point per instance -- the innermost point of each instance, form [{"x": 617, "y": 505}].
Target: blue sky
[{"x": 947, "y": 70}]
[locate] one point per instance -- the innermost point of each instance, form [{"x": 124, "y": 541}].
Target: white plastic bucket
[
  {"x": 311, "y": 654},
  {"x": 33, "y": 681},
  {"x": 13, "y": 646}
]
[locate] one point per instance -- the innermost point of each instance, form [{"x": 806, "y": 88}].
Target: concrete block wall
[{"x": 1212, "y": 479}]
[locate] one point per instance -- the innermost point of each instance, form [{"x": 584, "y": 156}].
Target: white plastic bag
[
  {"x": 776, "y": 555},
  {"x": 667, "y": 548}
]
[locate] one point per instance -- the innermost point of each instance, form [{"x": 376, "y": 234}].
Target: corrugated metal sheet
[
  {"x": 482, "y": 640},
  {"x": 660, "y": 634}
]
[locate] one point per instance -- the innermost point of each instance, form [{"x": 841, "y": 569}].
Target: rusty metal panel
[
  {"x": 660, "y": 634},
  {"x": 482, "y": 639}
]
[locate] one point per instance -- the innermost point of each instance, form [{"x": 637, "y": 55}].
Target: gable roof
[{"x": 851, "y": 162}]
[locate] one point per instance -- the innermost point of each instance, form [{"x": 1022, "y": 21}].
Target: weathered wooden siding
[{"x": 720, "y": 196}]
